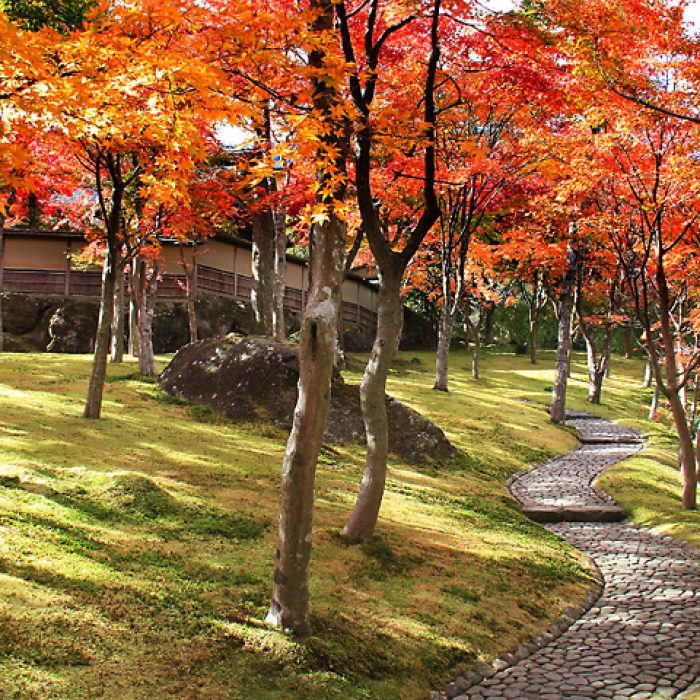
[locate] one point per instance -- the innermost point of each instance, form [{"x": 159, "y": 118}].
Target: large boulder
[
  {"x": 256, "y": 378},
  {"x": 73, "y": 327}
]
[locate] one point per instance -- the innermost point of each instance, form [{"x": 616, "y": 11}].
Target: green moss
[{"x": 154, "y": 537}]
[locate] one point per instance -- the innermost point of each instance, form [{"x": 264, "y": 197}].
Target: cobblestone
[{"x": 641, "y": 637}]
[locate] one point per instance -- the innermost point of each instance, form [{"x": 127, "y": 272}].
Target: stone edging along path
[{"x": 637, "y": 633}]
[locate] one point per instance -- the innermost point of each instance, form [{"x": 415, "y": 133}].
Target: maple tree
[
  {"x": 383, "y": 108},
  {"x": 122, "y": 94},
  {"x": 289, "y": 608},
  {"x": 652, "y": 217}
]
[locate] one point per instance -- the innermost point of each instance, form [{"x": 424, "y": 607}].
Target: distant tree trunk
[
  {"x": 10, "y": 200},
  {"x": 570, "y": 349},
  {"x": 597, "y": 365},
  {"x": 445, "y": 329},
  {"x": 262, "y": 293},
  {"x": 278, "y": 324},
  {"x": 191, "y": 294},
  {"x": 93, "y": 405},
  {"x": 362, "y": 521},
  {"x": 488, "y": 324},
  {"x": 466, "y": 328},
  {"x": 672, "y": 389},
  {"x": 534, "y": 322},
  {"x": 135, "y": 292},
  {"x": 477, "y": 347},
  {"x": 648, "y": 375},
  {"x": 110, "y": 270},
  {"x": 654, "y": 404},
  {"x": 190, "y": 269},
  {"x": 117, "y": 349},
  {"x": 558, "y": 410},
  {"x": 629, "y": 337},
  {"x": 289, "y": 607},
  {"x": 149, "y": 295},
  {"x": 2, "y": 272}
]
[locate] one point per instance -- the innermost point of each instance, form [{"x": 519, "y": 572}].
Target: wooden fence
[{"x": 209, "y": 281}]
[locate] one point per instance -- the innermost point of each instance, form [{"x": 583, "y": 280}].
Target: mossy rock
[
  {"x": 139, "y": 494},
  {"x": 255, "y": 378}
]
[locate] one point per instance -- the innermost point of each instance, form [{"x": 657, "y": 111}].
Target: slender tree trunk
[
  {"x": 648, "y": 375},
  {"x": 534, "y": 322},
  {"x": 2, "y": 285},
  {"x": 629, "y": 337},
  {"x": 466, "y": 326},
  {"x": 488, "y": 324},
  {"x": 117, "y": 348},
  {"x": 654, "y": 404},
  {"x": 597, "y": 365},
  {"x": 477, "y": 348},
  {"x": 672, "y": 391},
  {"x": 278, "y": 324},
  {"x": 135, "y": 293},
  {"x": 686, "y": 451},
  {"x": 362, "y": 521},
  {"x": 290, "y": 592},
  {"x": 445, "y": 328},
  {"x": 558, "y": 410},
  {"x": 93, "y": 405},
  {"x": 262, "y": 293},
  {"x": 694, "y": 405},
  {"x": 289, "y": 607},
  {"x": 147, "y": 307},
  {"x": 190, "y": 298}
]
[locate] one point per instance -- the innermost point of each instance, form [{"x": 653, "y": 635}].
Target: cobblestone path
[{"x": 641, "y": 638}]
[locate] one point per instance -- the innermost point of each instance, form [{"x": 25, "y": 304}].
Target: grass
[{"x": 136, "y": 551}]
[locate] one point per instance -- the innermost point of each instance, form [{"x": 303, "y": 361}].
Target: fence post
[{"x": 66, "y": 287}]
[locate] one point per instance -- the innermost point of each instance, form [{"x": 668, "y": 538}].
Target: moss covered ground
[{"x": 136, "y": 551}]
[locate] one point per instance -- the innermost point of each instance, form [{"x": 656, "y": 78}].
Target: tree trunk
[
  {"x": 558, "y": 410},
  {"x": 647, "y": 375},
  {"x": 477, "y": 348},
  {"x": 93, "y": 405},
  {"x": 135, "y": 293},
  {"x": 363, "y": 520},
  {"x": 654, "y": 404},
  {"x": 290, "y": 592},
  {"x": 262, "y": 293},
  {"x": 466, "y": 326},
  {"x": 2, "y": 272},
  {"x": 672, "y": 391},
  {"x": 117, "y": 349},
  {"x": 445, "y": 328},
  {"x": 278, "y": 325},
  {"x": 190, "y": 296},
  {"x": 289, "y": 607},
  {"x": 147, "y": 307},
  {"x": 628, "y": 340},
  {"x": 488, "y": 324},
  {"x": 686, "y": 451},
  {"x": 597, "y": 365},
  {"x": 534, "y": 322}
]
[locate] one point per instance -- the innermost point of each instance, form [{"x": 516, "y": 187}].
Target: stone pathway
[{"x": 641, "y": 638}]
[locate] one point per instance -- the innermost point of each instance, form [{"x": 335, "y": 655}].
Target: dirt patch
[{"x": 255, "y": 377}]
